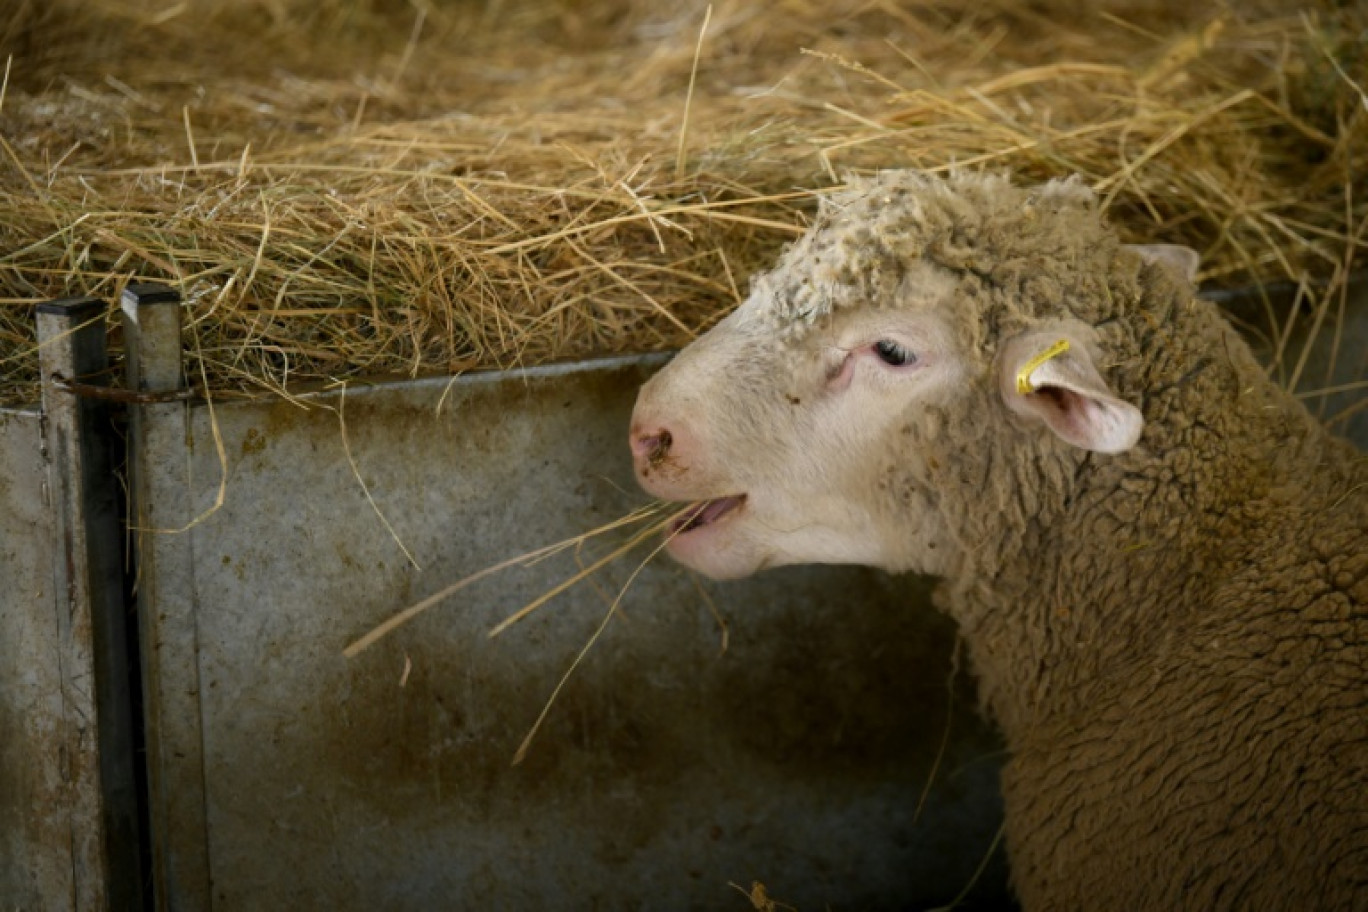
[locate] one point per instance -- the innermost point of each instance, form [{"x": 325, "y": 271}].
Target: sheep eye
[{"x": 893, "y": 354}]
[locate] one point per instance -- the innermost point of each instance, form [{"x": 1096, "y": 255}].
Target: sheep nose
[{"x": 652, "y": 448}]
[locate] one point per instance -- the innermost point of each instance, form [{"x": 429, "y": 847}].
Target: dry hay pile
[{"x": 361, "y": 187}]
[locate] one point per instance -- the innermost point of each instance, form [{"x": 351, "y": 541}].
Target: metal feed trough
[
  {"x": 179, "y": 728},
  {"x": 276, "y": 773}
]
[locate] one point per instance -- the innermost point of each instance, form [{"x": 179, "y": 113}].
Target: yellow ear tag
[{"x": 1023, "y": 377}]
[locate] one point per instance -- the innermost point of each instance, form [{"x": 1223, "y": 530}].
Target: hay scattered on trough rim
[{"x": 358, "y": 188}]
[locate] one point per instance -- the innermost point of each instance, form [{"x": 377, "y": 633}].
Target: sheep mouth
[{"x": 705, "y": 513}]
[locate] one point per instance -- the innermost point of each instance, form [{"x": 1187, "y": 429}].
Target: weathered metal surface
[
  {"x": 161, "y": 485},
  {"x": 68, "y": 807},
  {"x": 667, "y": 769},
  {"x": 97, "y": 756},
  {"x": 36, "y": 857}
]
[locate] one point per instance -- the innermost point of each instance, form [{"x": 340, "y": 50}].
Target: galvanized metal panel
[
  {"x": 161, "y": 488},
  {"x": 667, "y": 768},
  {"x": 68, "y": 808},
  {"x": 52, "y": 796},
  {"x": 36, "y": 871}
]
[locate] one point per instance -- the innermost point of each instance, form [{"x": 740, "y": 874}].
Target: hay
[
  {"x": 351, "y": 188},
  {"x": 661, "y": 530},
  {"x": 575, "y": 542}
]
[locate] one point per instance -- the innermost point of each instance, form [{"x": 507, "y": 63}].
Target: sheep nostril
[
  {"x": 654, "y": 447},
  {"x": 662, "y": 449}
]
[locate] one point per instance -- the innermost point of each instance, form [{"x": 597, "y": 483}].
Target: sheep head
[{"x": 921, "y": 337}]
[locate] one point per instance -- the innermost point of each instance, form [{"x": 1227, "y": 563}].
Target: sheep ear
[
  {"x": 1182, "y": 260},
  {"x": 1051, "y": 377}
]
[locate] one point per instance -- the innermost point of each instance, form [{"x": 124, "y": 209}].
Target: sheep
[{"x": 1157, "y": 559}]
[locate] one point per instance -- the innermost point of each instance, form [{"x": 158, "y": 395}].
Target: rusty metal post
[
  {"x": 96, "y": 746},
  {"x": 159, "y": 513}
]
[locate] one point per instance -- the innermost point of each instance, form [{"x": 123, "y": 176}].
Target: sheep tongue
[{"x": 708, "y": 511}]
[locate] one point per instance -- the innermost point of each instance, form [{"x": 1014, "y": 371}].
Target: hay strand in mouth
[
  {"x": 588, "y": 571},
  {"x": 521, "y": 752},
  {"x": 401, "y": 618},
  {"x": 660, "y": 525}
]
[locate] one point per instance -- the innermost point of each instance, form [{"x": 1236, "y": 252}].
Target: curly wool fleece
[
  {"x": 1048, "y": 242},
  {"x": 1174, "y": 639}
]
